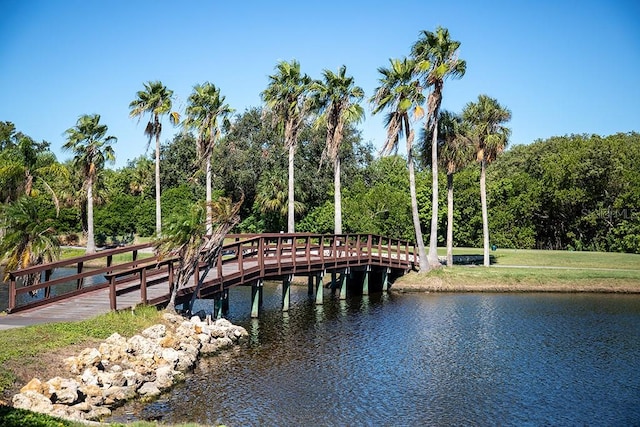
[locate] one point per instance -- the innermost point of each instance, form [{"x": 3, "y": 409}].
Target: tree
[
  {"x": 206, "y": 112},
  {"x": 338, "y": 100},
  {"x": 29, "y": 238},
  {"x": 454, "y": 154},
  {"x": 155, "y": 100},
  {"x": 401, "y": 94},
  {"x": 287, "y": 97},
  {"x": 437, "y": 59},
  {"x": 26, "y": 166},
  {"x": 92, "y": 148},
  {"x": 186, "y": 237},
  {"x": 487, "y": 132}
]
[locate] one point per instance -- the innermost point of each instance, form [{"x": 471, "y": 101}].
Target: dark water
[{"x": 420, "y": 359}]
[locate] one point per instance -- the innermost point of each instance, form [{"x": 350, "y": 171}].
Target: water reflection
[{"x": 422, "y": 359}]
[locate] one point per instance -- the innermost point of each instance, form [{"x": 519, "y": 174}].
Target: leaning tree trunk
[
  {"x": 337, "y": 197},
  {"x": 485, "y": 217},
  {"x": 291, "y": 227},
  {"x": 91, "y": 243},
  {"x": 158, "y": 208},
  {"x": 449, "y": 219},
  {"x": 208, "y": 196},
  {"x": 434, "y": 262},
  {"x": 423, "y": 263}
]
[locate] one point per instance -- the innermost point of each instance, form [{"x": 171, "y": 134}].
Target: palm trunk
[
  {"x": 434, "y": 262},
  {"x": 449, "y": 219},
  {"x": 423, "y": 262},
  {"x": 158, "y": 208},
  {"x": 337, "y": 197},
  {"x": 291, "y": 212},
  {"x": 91, "y": 244},
  {"x": 208, "y": 190},
  {"x": 485, "y": 217}
]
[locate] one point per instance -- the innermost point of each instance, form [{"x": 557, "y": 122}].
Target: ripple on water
[{"x": 432, "y": 359}]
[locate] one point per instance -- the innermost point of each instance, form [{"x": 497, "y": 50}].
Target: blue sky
[{"x": 562, "y": 67}]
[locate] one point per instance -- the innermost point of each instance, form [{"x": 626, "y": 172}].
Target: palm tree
[
  {"x": 186, "y": 237},
  {"x": 25, "y": 163},
  {"x": 206, "y": 112},
  {"x": 91, "y": 148},
  {"x": 454, "y": 154},
  {"x": 338, "y": 101},
  {"x": 486, "y": 119},
  {"x": 401, "y": 94},
  {"x": 155, "y": 99},
  {"x": 29, "y": 239},
  {"x": 287, "y": 97},
  {"x": 436, "y": 58}
]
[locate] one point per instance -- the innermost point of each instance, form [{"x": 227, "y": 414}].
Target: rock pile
[{"x": 122, "y": 369}]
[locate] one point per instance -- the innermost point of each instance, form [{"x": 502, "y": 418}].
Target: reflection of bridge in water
[{"x": 128, "y": 276}]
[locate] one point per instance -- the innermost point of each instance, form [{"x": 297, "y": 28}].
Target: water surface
[{"x": 419, "y": 359}]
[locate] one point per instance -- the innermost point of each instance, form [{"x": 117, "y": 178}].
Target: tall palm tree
[
  {"x": 92, "y": 148},
  {"x": 155, "y": 100},
  {"x": 454, "y": 154},
  {"x": 437, "y": 59},
  {"x": 338, "y": 101},
  {"x": 206, "y": 113},
  {"x": 29, "y": 239},
  {"x": 486, "y": 119},
  {"x": 401, "y": 94},
  {"x": 186, "y": 236},
  {"x": 287, "y": 97}
]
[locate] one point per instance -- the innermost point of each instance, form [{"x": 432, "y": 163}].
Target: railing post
[
  {"x": 80, "y": 281},
  {"x": 261, "y": 249},
  {"x": 170, "y": 268},
  {"x": 12, "y": 292},
  {"x": 47, "y": 290},
  {"x": 143, "y": 285},
  {"x": 112, "y": 292}
]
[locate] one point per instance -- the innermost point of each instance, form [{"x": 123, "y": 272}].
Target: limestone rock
[
  {"x": 33, "y": 401},
  {"x": 64, "y": 390},
  {"x": 149, "y": 390}
]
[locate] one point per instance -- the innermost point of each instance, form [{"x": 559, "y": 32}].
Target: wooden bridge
[{"x": 121, "y": 278}]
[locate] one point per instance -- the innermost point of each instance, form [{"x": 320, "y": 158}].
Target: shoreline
[{"x": 518, "y": 280}]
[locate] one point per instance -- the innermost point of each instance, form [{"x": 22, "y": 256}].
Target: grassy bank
[{"x": 533, "y": 270}]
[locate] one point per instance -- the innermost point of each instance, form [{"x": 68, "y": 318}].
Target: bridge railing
[{"x": 243, "y": 257}]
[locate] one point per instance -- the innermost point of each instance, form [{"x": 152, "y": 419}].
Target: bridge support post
[
  {"x": 217, "y": 306},
  {"x": 256, "y": 297},
  {"x": 385, "y": 279},
  {"x": 365, "y": 281},
  {"x": 310, "y": 285},
  {"x": 343, "y": 284},
  {"x": 286, "y": 292},
  {"x": 319, "y": 288},
  {"x": 225, "y": 301}
]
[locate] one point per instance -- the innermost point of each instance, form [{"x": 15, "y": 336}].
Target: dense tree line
[{"x": 577, "y": 192}]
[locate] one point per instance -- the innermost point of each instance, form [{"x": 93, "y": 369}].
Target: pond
[{"x": 418, "y": 359}]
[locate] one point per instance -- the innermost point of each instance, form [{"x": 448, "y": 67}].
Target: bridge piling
[
  {"x": 365, "y": 281},
  {"x": 286, "y": 292},
  {"x": 256, "y": 297},
  {"x": 343, "y": 284},
  {"x": 319, "y": 288}
]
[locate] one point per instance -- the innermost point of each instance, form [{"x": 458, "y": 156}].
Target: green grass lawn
[{"x": 545, "y": 258}]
